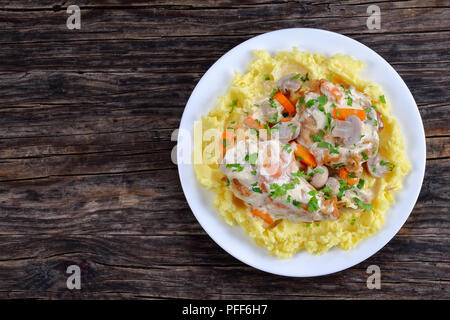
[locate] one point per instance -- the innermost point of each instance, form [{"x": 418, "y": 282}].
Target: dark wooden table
[{"x": 86, "y": 118}]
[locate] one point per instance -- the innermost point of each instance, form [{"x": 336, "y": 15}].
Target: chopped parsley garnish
[
  {"x": 330, "y": 77},
  {"x": 343, "y": 187},
  {"x": 274, "y": 118},
  {"x": 228, "y": 182},
  {"x": 383, "y": 99},
  {"x": 301, "y": 100},
  {"x": 237, "y": 166},
  {"x": 390, "y": 165},
  {"x": 278, "y": 190},
  {"x": 305, "y": 78},
  {"x": 232, "y": 105},
  {"x": 313, "y": 203},
  {"x": 360, "y": 184},
  {"x": 352, "y": 222},
  {"x": 364, "y": 155},
  {"x": 329, "y": 146},
  {"x": 230, "y": 128},
  {"x": 254, "y": 172},
  {"x": 297, "y": 203},
  {"x": 266, "y": 77},
  {"x": 317, "y": 137},
  {"x": 327, "y": 192},
  {"x": 274, "y": 91},
  {"x": 252, "y": 158},
  {"x": 300, "y": 173},
  {"x": 349, "y": 101},
  {"x": 269, "y": 130},
  {"x": 287, "y": 148},
  {"x": 257, "y": 189},
  {"x": 322, "y": 100},
  {"x": 299, "y": 75},
  {"x": 303, "y": 174},
  {"x": 317, "y": 170},
  {"x": 310, "y": 103},
  {"x": 272, "y": 103},
  {"x": 328, "y": 122},
  {"x": 288, "y": 200},
  {"x": 365, "y": 206},
  {"x": 351, "y": 175},
  {"x": 338, "y": 165}
]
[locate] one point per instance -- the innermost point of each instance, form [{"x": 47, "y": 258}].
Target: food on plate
[{"x": 307, "y": 154}]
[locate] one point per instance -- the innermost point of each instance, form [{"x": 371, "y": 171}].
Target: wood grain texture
[{"x": 86, "y": 121}]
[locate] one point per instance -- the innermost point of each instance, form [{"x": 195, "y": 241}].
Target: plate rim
[{"x": 397, "y": 227}]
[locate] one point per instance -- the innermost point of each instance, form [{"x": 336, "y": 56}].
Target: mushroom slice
[
  {"x": 287, "y": 84},
  {"x": 288, "y": 130},
  {"x": 267, "y": 109},
  {"x": 334, "y": 185},
  {"x": 375, "y": 168},
  {"x": 349, "y": 129},
  {"x": 320, "y": 176}
]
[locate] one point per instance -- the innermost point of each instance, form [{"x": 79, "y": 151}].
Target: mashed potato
[{"x": 287, "y": 237}]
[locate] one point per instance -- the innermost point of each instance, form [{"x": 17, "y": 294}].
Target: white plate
[{"x": 216, "y": 81}]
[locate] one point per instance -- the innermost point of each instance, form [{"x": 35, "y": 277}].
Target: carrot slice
[
  {"x": 333, "y": 202},
  {"x": 337, "y": 94},
  {"x": 263, "y": 215},
  {"x": 306, "y": 156},
  {"x": 263, "y": 187},
  {"x": 274, "y": 169},
  {"x": 226, "y": 141},
  {"x": 288, "y": 106},
  {"x": 252, "y": 123},
  {"x": 343, "y": 113},
  {"x": 343, "y": 174},
  {"x": 286, "y": 119}
]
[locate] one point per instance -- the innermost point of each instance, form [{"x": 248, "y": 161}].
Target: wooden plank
[
  {"x": 148, "y": 22},
  {"x": 196, "y": 54},
  {"x": 438, "y": 147},
  {"x": 225, "y": 4},
  {"x": 140, "y": 266}
]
